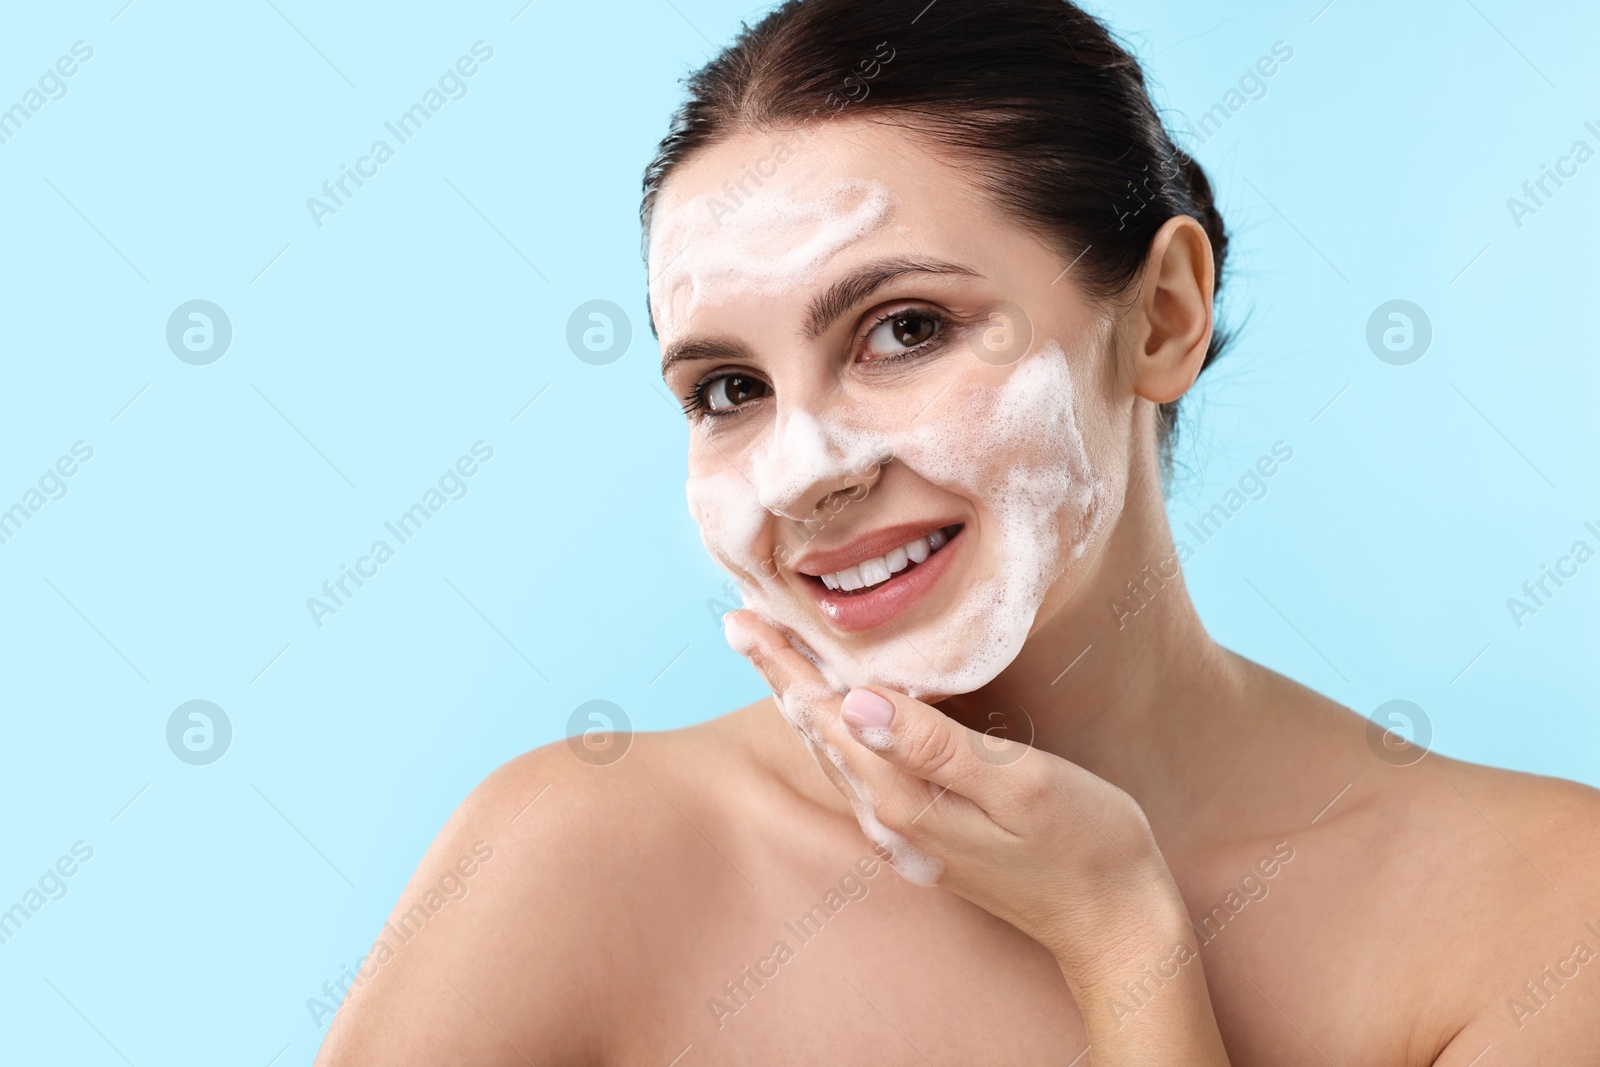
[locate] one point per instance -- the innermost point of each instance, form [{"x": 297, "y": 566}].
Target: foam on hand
[{"x": 803, "y": 706}]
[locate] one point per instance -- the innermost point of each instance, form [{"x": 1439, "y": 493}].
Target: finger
[
  {"x": 895, "y": 808},
  {"x": 801, "y": 693},
  {"x": 923, "y": 741},
  {"x": 807, "y": 703},
  {"x": 812, "y": 707}
]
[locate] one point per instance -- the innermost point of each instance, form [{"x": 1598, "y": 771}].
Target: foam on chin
[{"x": 1015, "y": 450}]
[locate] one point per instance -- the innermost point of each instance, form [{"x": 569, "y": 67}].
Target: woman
[{"x": 931, "y": 286}]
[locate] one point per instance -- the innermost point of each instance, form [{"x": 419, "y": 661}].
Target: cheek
[
  {"x": 730, "y": 518},
  {"x": 1014, "y": 449}
]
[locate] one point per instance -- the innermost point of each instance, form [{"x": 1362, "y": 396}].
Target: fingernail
[
  {"x": 738, "y": 634},
  {"x": 866, "y": 710}
]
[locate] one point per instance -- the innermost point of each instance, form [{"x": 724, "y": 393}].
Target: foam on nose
[{"x": 804, "y": 460}]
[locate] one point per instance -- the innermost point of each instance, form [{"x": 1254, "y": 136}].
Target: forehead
[
  {"x": 794, "y": 159},
  {"x": 763, "y": 214}
]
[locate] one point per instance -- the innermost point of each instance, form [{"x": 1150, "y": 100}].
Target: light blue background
[{"x": 427, "y": 313}]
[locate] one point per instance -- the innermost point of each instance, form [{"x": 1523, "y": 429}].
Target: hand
[{"x": 1061, "y": 854}]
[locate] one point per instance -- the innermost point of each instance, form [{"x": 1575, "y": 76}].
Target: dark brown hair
[{"x": 1047, "y": 111}]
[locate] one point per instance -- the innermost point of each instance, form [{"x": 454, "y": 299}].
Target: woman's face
[{"x": 904, "y": 417}]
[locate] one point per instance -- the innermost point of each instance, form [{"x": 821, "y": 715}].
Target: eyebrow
[
  {"x": 850, "y": 290},
  {"x": 821, "y": 313}
]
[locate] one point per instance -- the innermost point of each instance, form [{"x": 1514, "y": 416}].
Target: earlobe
[{"x": 1175, "y": 309}]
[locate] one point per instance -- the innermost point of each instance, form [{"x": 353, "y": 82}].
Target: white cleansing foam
[
  {"x": 1014, "y": 449},
  {"x": 771, "y": 245}
]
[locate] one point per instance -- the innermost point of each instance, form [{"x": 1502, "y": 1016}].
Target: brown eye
[
  {"x": 733, "y": 390},
  {"x": 899, "y": 332}
]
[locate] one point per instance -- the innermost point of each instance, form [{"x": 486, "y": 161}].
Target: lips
[
  {"x": 877, "y": 577},
  {"x": 879, "y": 569}
]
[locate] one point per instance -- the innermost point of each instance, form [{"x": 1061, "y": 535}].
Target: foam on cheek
[
  {"x": 1017, "y": 452},
  {"x": 730, "y": 518}
]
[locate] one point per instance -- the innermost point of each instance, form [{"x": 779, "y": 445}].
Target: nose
[{"x": 805, "y": 462}]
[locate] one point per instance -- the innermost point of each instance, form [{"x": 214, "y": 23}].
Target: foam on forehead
[{"x": 708, "y": 251}]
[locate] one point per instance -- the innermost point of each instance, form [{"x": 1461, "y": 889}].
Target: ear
[{"x": 1171, "y": 325}]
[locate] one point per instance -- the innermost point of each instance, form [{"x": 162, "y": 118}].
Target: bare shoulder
[
  {"x": 1539, "y": 835},
  {"x": 1546, "y": 808},
  {"x": 520, "y": 930},
  {"x": 1522, "y": 853}
]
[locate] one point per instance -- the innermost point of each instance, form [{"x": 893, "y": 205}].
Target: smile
[
  {"x": 879, "y": 569},
  {"x": 860, "y": 592}
]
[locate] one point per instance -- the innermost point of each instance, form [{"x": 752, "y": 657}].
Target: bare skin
[{"x": 1345, "y": 900}]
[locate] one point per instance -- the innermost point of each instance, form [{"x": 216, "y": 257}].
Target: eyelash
[{"x": 695, "y": 404}]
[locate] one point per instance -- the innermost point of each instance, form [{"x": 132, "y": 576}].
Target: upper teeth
[{"x": 870, "y": 572}]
